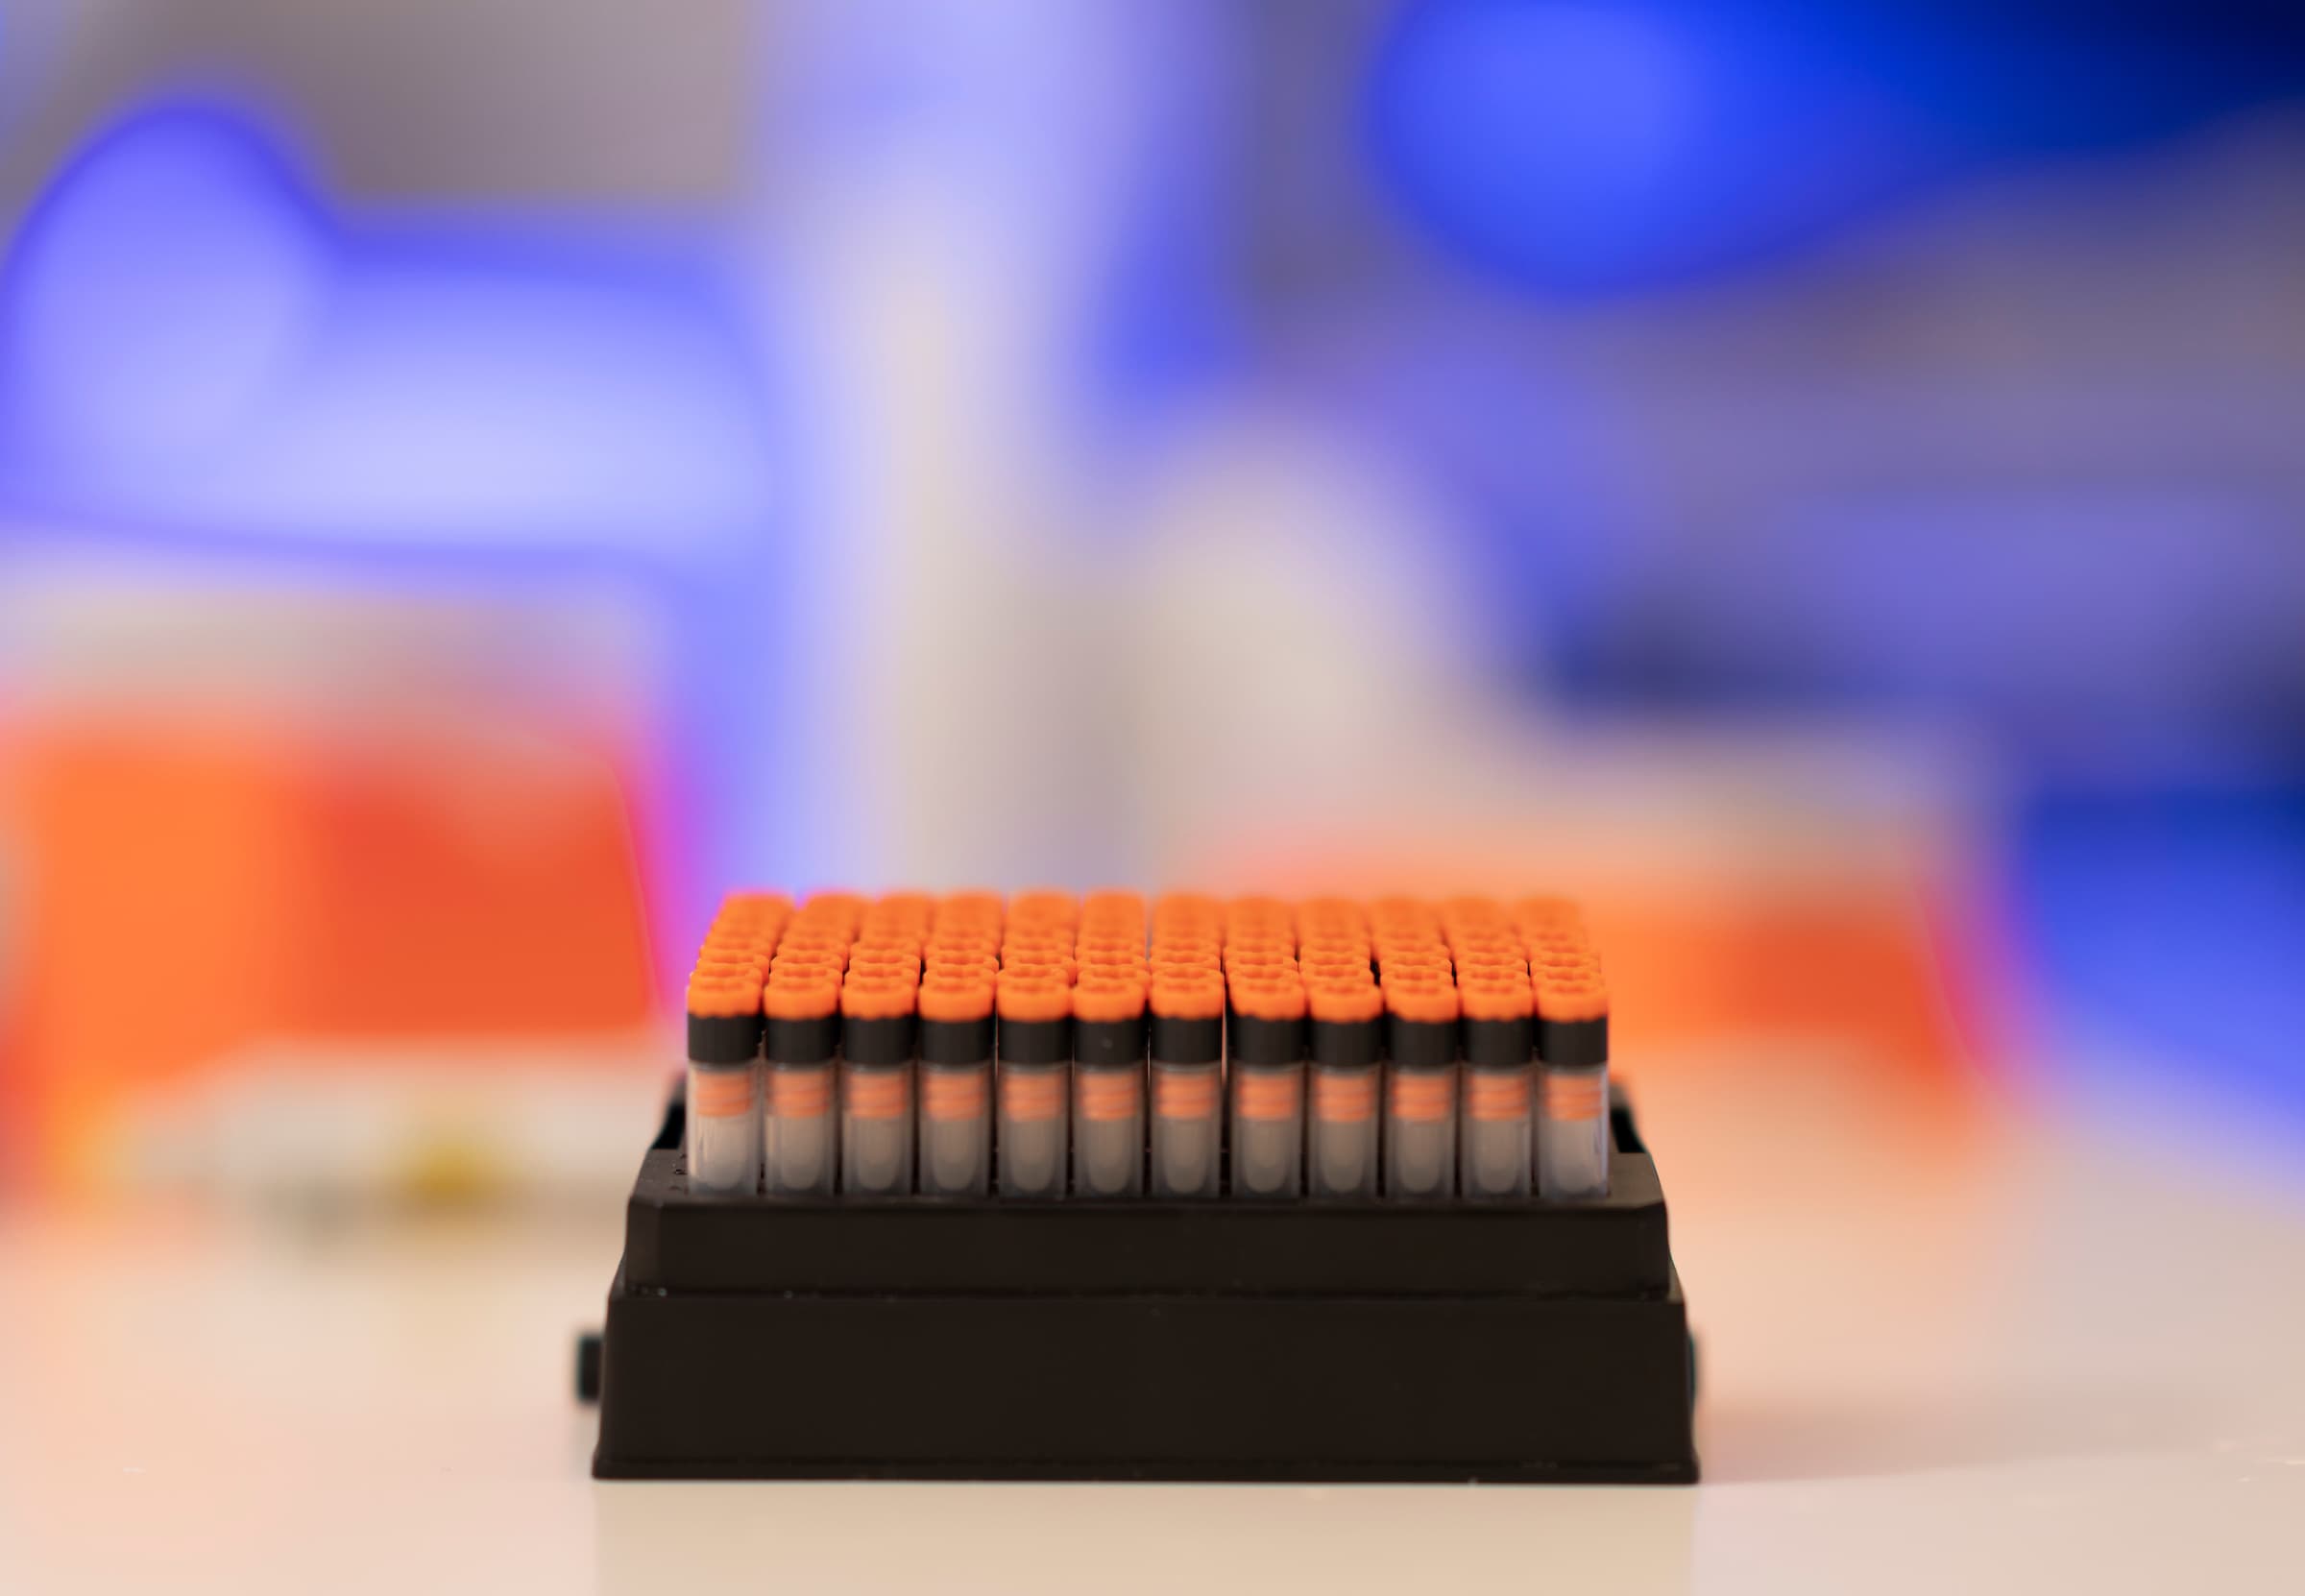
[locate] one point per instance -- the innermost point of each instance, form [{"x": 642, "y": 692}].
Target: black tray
[{"x": 1140, "y": 1339}]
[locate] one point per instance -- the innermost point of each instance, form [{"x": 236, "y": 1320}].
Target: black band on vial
[
  {"x": 1573, "y": 1042},
  {"x": 1036, "y": 1041},
  {"x": 723, "y": 1038},
  {"x": 1345, "y": 1044},
  {"x": 803, "y": 1041},
  {"x": 1178, "y": 1039},
  {"x": 1109, "y": 1042},
  {"x": 886, "y": 1040},
  {"x": 956, "y": 1041},
  {"x": 1420, "y": 1044},
  {"x": 1497, "y": 1044},
  {"x": 1256, "y": 1040}
]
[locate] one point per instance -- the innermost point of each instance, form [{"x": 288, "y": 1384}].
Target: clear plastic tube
[
  {"x": 724, "y": 1130},
  {"x": 1420, "y": 1133},
  {"x": 1341, "y": 1146},
  {"x": 1573, "y": 1131},
  {"x": 1267, "y": 1130},
  {"x": 1188, "y": 1130},
  {"x": 1496, "y": 1144},
  {"x": 956, "y": 1130},
  {"x": 1109, "y": 1130},
  {"x": 1031, "y": 1143},
  {"x": 876, "y": 1129},
  {"x": 801, "y": 1130}
]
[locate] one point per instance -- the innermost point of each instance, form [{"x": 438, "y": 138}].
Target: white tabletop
[{"x": 1938, "y": 1354}]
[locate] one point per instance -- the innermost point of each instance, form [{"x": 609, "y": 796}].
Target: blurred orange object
[
  {"x": 194, "y": 884},
  {"x": 1729, "y": 952}
]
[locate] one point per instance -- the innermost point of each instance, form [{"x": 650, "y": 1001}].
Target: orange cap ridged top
[
  {"x": 1109, "y": 999},
  {"x": 732, "y": 958},
  {"x": 1429, "y": 1002},
  {"x": 744, "y": 928},
  {"x": 1343, "y": 1003},
  {"x": 803, "y": 998},
  {"x": 1258, "y": 958},
  {"x": 1040, "y": 969},
  {"x": 831, "y": 908},
  {"x": 1280, "y": 999},
  {"x": 796, "y": 955},
  {"x": 1197, "y": 943},
  {"x": 1188, "y": 995},
  {"x": 956, "y": 1000},
  {"x": 1483, "y": 940},
  {"x": 1109, "y": 940},
  {"x": 1400, "y": 968},
  {"x": 800, "y": 938},
  {"x": 1479, "y": 967},
  {"x": 1033, "y": 999},
  {"x": 1047, "y": 955},
  {"x": 1044, "y": 906},
  {"x": 759, "y": 906},
  {"x": 716, "y": 996},
  {"x": 1583, "y": 994},
  {"x": 1495, "y": 999},
  {"x": 871, "y": 998}
]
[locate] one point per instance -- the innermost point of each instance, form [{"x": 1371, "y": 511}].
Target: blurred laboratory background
[{"x": 479, "y": 478}]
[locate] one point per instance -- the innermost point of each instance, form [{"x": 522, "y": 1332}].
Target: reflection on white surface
[{"x": 1166, "y": 1538}]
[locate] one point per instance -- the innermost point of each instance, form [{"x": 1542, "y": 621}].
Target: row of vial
[
  {"x": 1327, "y": 1050},
  {"x": 1033, "y": 1130}
]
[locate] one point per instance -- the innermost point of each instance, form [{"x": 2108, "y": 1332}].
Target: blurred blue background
[{"x": 1747, "y": 454}]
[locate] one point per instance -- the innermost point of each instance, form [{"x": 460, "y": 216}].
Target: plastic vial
[
  {"x": 956, "y": 1130},
  {"x": 1188, "y": 1130},
  {"x": 956, "y": 1088},
  {"x": 1572, "y": 1133},
  {"x": 1108, "y": 1090},
  {"x": 1572, "y": 1092},
  {"x": 723, "y": 1130},
  {"x": 1420, "y": 1095},
  {"x": 1267, "y": 1130},
  {"x": 1266, "y": 1052},
  {"x": 724, "y": 1044},
  {"x": 876, "y": 1129},
  {"x": 1345, "y": 1032},
  {"x": 1033, "y": 1129},
  {"x": 1494, "y": 1155},
  {"x": 1032, "y": 1084},
  {"x": 876, "y": 1089},
  {"x": 802, "y": 1130},
  {"x": 1188, "y": 1085},
  {"x": 1109, "y": 1134}
]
